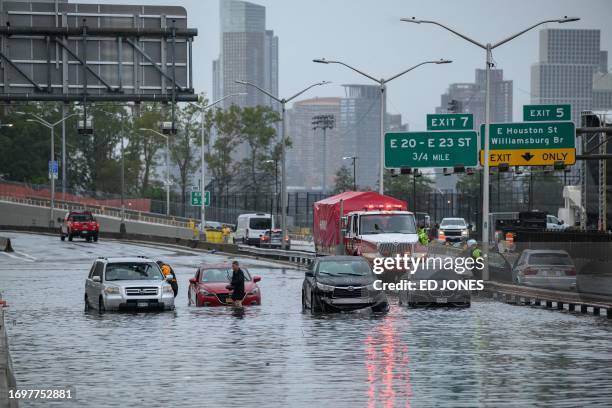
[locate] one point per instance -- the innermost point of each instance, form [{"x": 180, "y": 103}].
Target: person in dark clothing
[{"x": 237, "y": 284}]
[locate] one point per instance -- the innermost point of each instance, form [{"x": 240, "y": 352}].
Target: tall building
[
  {"x": 304, "y": 158},
  {"x": 471, "y": 97},
  {"x": 566, "y": 72},
  {"x": 249, "y": 52},
  {"x": 356, "y": 133}
]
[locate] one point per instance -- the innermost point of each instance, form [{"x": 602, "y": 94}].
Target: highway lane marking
[
  {"x": 16, "y": 257},
  {"x": 26, "y": 255}
]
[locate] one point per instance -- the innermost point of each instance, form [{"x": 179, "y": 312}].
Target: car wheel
[
  {"x": 95, "y": 238},
  {"x": 87, "y": 307},
  {"x": 101, "y": 308},
  {"x": 88, "y": 239},
  {"x": 62, "y": 237},
  {"x": 316, "y": 306},
  {"x": 303, "y": 302},
  {"x": 70, "y": 237}
]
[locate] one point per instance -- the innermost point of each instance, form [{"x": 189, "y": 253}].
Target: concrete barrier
[
  {"x": 25, "y": 215},
  {"x": 7, "y": 378},
  {"x": 5, "y": 245}
]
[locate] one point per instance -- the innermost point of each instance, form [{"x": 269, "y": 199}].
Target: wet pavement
[{"x": 491, "y": 354}]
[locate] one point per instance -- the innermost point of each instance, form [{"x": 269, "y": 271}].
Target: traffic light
[{"x": 454, "y": 106}]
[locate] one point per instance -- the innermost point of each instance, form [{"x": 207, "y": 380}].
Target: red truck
[
  {"x": 365, "y": 223},
  {"x": 79, "y": 224}
]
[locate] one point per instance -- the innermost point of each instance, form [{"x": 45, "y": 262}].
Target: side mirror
[
  {"x": 343, "y": 222},
  {"x": 169, "y": 276},
  {"x": 96, "y": 279},
  {"x": 256, "y": 278},
  {"x": 561, "y": 222},
  {"x": 193, "y": 280},
  {"x": 309, "y": 274}
]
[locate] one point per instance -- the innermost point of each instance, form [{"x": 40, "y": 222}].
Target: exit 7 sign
[{"x": 450, "y": 121}]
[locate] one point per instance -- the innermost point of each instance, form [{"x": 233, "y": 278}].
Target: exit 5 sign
[{"x": 543, "y": 113}]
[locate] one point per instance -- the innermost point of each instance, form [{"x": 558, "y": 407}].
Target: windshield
[
  {"x": 221, "y": 275},
  {"x": 550, "y": 259},
  {"x": 387, "y": 223},
  {"x": 260, "y": 223},
  {"x": 344, "y": 268},
  {"x": 81, "y": 218},
  {"x": 133, "y": 271},
  {"x": 453, "y": 221}
]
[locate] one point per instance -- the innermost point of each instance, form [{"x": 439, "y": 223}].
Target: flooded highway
[{"x": 491, "y": 354}]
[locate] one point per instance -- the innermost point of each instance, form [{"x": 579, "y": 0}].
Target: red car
[
  {"x": 79, "y": 224},
  {"x": 208, "y": 286}
]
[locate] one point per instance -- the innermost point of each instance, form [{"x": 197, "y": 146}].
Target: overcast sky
[{"x": 369, "y": 35}]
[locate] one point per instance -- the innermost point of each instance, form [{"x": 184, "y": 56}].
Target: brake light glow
[
  {"x": 530, "y": 271},
  {"x": 570, "y": 272}
]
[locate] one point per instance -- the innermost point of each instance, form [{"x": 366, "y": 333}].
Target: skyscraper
[
  {"x": 569, "y": 60},
  {"x": 249, "y": 52},
  {"x": 471, "y": 97}
]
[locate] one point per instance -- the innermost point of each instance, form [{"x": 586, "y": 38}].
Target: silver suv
[{"x": 127, "y": 283}]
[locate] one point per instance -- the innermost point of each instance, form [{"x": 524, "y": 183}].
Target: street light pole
[
  {"x": 51, "y": 126},
  {"x": 203, "y": 163},
  {"x": 485, "y": 176},
  {"x": 283, "y": 102},
  {"x": 382, "y": 83}
]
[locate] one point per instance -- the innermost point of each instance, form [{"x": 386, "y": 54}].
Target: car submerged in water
[
  {"x": 209, "y": 286},
  {"x": 341, "y": 283},
  {"x": 436, "y": 287},
  {"x": 130, "y": 283}
]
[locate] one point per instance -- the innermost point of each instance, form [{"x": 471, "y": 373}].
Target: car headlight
[
  {"x": 112, "y": 290},
  {"x": 254, "y": 291},
  {"x": 167, "y": 289},
  {"x": 465, "y": 233},
  {"x": 204, "y": 292},
  {"x": 325, "y": 288}
]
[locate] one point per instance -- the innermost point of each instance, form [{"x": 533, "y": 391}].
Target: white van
[{"x": 250, "y": 227}]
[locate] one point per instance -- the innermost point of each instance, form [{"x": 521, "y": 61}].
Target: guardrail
[
  {"x": 298, "y": 257},
  {"x": 99, "y": 210},
  {"x": 7, "y": 378}
]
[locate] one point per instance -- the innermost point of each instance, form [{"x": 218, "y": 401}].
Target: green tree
[
  {"x": 258, "y": 133},
  {"x": 469, "y": 184},
  {"x": 145, "y": 145},
  {"x": 404, "y": 187},
  {"x": 219, "y": 152},
  {"x": 182, "y": 150},
  {"x": 343, "y": 180}
]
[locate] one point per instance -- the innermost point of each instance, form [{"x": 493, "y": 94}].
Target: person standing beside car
[
  {"x": 237, "y": 284},
  {"x": 167, "y": 270}
]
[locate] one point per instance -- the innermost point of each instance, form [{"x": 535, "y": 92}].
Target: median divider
[
  {"x": 7, "y": 378},
  {"x": 297, "y": 257}
]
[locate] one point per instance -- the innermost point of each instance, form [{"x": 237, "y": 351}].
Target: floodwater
[{"x": 491, "y": 354}]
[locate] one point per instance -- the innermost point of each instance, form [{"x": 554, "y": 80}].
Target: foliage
[
  {"x": 404, "y": 186},
  {"x": 343, "y": 180}
]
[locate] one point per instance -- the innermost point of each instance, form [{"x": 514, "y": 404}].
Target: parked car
[
  {"x": 438, "y": 295},
  {"x": 209, "y": 286},
  {"x": 250, "y": 227},
  {"x": 127, "y": 283},
  {"x": 341, "y": 283},
  {"x": 546, "y": 268},
  {"x": 453, "y": 230},
  {"x": 79, "y": 224}
]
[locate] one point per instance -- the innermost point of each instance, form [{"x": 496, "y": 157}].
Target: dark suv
[
  {"x": 341, "y": 283},
  {"x": 79, "y": 224}
]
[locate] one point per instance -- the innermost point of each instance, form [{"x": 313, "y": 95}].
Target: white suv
[{"x": 127, "y": 283}]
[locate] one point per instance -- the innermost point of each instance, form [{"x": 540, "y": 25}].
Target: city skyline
[{"x": 333, "y": 34}]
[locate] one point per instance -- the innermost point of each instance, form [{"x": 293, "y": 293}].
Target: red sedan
[{"x": 208, "y": 286}]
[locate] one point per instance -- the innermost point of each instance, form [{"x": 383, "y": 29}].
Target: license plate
[
  {"x": 142, "y": 304},
  {"x": 441, "y": 300}
]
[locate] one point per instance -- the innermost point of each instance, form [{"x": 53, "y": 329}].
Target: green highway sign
[
  {"x": 196, "y": 198},
  {"x": 430, "y": 149},
  {"x": 542, "y": 113},
  {"x": 450, "y": 121},
  {"x": 530, "y": 135}
]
